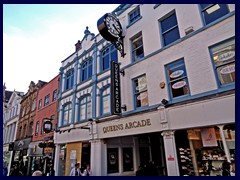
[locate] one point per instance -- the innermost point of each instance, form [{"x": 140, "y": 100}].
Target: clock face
[{"x": 113, "y": 25}]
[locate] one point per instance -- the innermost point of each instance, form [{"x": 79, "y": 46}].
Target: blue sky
[{"x": 37, "y": 37}]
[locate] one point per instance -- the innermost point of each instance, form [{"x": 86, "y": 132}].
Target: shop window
[
  {"x": 85, "y": 108},
  {"x": 212, "y": 12},
  {"x": 200, "y": 151},
  {"x": 169, "y": 29},
  {"x": 127, "y": 159},
  {"x": 224, "y": 61},
  {"x": 112, "y": 160},
  {"x": 62, "y": 160},
  {"x": 177, "y": 79},
  {"x": 67, "y": 114},
  {"x": 140, "y": 91},
  {"x": 137, "y": 47},
  {"x": 105, "y": 102},
  {"x": 108, "y": 55},
  {"x": 86, "y": 70},
  {"x": 134, "y": 15}
]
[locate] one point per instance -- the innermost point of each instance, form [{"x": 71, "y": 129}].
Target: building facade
[
  {"x": 10, "y": 118},
  {"x": 177, "y": 87},
  {"x": 41, "y": 153},
  {"x": 25, "y": 128}
]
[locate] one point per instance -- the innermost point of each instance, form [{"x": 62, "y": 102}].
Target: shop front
[
  {"x": 201, "y": 151},
  {"x": 201, "y": 136},
  {"x": 20, "y": 151},
  {"x": 128, "y": 144},
  {"x": 35, "y": 157},
  {"x": 71, "y": 147}
]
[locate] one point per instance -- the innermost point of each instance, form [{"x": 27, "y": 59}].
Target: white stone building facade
[{"x": 178, "y": 87}]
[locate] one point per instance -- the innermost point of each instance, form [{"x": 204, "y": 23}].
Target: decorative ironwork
[{"x": 119, "y": 45}]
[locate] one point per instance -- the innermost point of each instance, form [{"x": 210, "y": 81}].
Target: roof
[{"x": 7, "y": 95}]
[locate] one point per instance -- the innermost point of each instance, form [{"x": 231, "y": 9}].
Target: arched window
[
  {"x": 85, "y": 108},
  {"x": 105, "y": 107},
  {"x": 108, "y": 54},
  {"x": 69, "y": 79},
  {"x": 86, "y": 70},
  {"x": 67, "y": 114}
]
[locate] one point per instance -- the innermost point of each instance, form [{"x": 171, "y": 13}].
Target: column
[
  {"x": 225, "y": 144},
  {"x": 98, "y": 157},
  {"x": 171, "y": 153},
  {"x": 56, "y": 160}
]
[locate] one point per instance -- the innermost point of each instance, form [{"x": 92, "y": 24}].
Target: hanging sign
[
  {"x": 115, "y": 88},
  {"x": 208, "y": 136}
]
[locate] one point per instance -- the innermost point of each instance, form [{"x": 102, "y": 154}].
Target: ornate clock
[{"x": 110, "y": 28}]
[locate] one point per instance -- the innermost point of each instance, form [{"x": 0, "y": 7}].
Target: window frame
[
  {"x": 37, "y": 128},
  {"x": 109, "y": 54},
  {"x": 54, "y": 95},
  {"x": 101, "y": 100},
  {"x": 40, "y": 104},
  {"x": 169, "y": 29},
  {"x": 202, "y": 10},
  {"x": 172, "y": 65},
  {"x": 69, "y": 79},
  {"x": 86, "y": 107},
  {"x": 133, "y": 50},
  {"x": 46, "y": 100},
  {"x": 136, "y": 17},
  {"x": 223, "y": 64},
  {"x": 135, "y": 93},
  {"x": 88, "y": 65},
  {"x": 70, "y": 110}
]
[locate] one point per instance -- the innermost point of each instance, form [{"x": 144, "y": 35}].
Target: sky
[{"x": 37, "y": 37}]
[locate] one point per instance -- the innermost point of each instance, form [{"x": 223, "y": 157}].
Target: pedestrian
[
  {"x": 232, "y": 168},
  {"x": 37, "y": 173},
  {"x": 226, "y": 168},
  {"x": 76, "y": 171},
  {"x": 16, "y": 171},
  {"x": 51, "y": 171},
  {"x": 87, "y": 171}
]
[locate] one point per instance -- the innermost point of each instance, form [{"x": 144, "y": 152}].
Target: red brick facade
[{"x": 47, "y": 110}]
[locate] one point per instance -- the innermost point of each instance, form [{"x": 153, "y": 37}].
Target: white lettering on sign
[
  {"x": 226, "y": 56},
  {"x": 228, "y": 69},
  {"x": 176, "y": 74},
  {"x": 179, "y": 84}
]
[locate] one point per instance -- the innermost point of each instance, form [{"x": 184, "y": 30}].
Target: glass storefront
[{"x": 202, "y": 151}]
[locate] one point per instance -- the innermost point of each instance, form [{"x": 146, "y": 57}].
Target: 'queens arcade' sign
[{"x": 115, "y": 88}]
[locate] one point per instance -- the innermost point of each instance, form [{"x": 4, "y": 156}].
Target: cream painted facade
[
  {"x": 202, "y": 108},
  {"x": 11, "y": 115}
]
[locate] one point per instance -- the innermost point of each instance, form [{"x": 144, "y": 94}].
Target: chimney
[{"x": 78, "y": 45}]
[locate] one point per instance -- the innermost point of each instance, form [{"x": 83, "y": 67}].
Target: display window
[{"x": 202, "y": 151}]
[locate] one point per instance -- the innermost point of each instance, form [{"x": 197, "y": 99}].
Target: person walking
[
  {"x": 37, "y": 173},
  {"x": 75, "y": 171},
  {"x": 87, "y": 171},
  {"x": 226, "y": 168}
]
